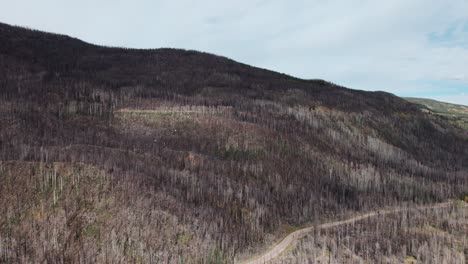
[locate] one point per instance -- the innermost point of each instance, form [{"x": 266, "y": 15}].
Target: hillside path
[{"x": 276, "y": 250}]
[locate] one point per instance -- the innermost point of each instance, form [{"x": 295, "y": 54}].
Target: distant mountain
[
  {"x": 454, "y": 112},
  {"x": 112, "y": 155}
]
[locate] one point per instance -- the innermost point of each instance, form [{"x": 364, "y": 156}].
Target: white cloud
[{"x": 394, "y": 45}]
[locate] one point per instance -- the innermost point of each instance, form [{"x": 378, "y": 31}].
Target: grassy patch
[
  {"x": 154, "y": 116},
  {"x": 430, "y": 228},
  {"x": 92, "y": 230},
  {"x": 288, "y": 229},
  {"x": 184, "y": 238},
  {"x": 459, "y": 203},
  {"x": 216, "y": 256},
  {"x": 284, "y": 148},
  {"x": 410, "y": 260},
  {"x": 240, "y": 154}
]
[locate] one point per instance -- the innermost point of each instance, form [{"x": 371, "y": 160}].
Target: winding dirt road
[{"x": 275, "y": 251}]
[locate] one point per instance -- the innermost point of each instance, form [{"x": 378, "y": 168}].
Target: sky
[{"x": 416, "y": 48}]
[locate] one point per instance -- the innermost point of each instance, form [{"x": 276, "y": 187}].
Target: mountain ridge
[{"x": 12, "y": 30}]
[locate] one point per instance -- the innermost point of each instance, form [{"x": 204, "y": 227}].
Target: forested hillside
[
  {"x": 458, "y": 114},
  {"x": 174, "y": 156}
]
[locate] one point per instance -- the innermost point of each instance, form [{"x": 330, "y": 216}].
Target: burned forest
[{"x": 115, "y": 155}]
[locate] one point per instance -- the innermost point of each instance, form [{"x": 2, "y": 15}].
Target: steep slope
[{"x": 179, "y": 156}]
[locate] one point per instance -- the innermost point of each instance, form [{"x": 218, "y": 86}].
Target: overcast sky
[{"x": 407, "y": 47}]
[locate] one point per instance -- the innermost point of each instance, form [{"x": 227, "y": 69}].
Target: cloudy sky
[{"x": 407, "y": 47}]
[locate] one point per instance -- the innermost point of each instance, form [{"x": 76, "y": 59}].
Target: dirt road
[{"x": 275, "y": 251}]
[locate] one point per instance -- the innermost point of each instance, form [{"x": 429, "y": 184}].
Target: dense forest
[{"x": 172, "y": 156}]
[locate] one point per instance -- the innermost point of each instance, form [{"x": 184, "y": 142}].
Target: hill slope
[
  {"x": 169, "y": 156},
  {"x": 453, "y": 112}
]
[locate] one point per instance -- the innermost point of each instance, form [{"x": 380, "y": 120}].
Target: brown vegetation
[
  {"x": 436, "y": 236},
  {"x": 178, "y": 156}
]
